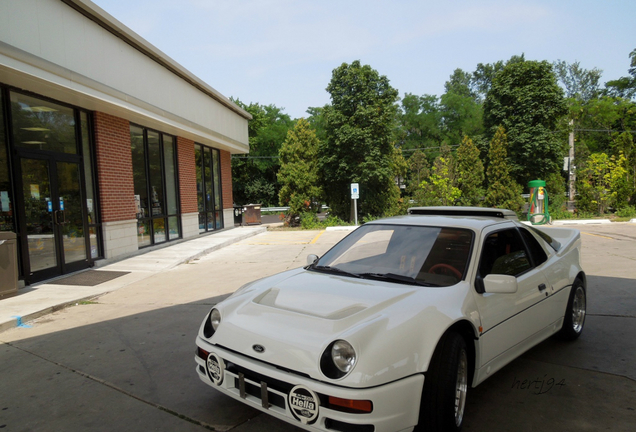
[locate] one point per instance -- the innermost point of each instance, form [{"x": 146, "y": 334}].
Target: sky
[{"x": 283, "y": 52}]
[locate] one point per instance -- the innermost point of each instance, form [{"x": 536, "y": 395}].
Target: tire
[
  {"x": 574, "y": 319},
  {"x": 445, "y": 387}
]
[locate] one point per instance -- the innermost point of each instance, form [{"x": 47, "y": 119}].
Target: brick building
[{"x": 107, "y": 146}]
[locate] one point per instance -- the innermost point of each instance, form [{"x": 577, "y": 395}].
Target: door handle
[
  {"x": 542, "y": 287},
  {"x": 59, "y": 217}
]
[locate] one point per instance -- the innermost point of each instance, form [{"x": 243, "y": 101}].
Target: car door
[{"x": 510, "y": 321}]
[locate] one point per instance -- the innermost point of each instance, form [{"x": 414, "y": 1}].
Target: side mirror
[
  {"x": 500, "y": 284},
  {"x": 311, "y": 258}
]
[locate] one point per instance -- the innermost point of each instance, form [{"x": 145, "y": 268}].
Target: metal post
[
  {"x": 572, "y": 175},
  {"x": 355, "y": 210}
]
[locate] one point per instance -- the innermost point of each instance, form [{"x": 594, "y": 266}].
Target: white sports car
[{"x": 389, "y": 329}]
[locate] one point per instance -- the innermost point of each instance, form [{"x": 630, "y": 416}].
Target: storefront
[{"x": 100, "y": 162}]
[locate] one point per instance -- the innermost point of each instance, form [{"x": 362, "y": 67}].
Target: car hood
[{"x": 297, "y": 314}]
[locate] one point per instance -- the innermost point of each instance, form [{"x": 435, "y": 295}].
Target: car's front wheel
[
  {"x": 574, "y": 319},
  {"x": 445, "y": 387}
]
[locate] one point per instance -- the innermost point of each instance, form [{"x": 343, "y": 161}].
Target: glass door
[{"x": 53, "y": 217}]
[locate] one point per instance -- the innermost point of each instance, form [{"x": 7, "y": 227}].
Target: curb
[
  {"x": 16, "y": 320},
  {"x": 582, "y": 222},
  {"x": 8, "y": 325},
  {"x": 342, "y": 228}
]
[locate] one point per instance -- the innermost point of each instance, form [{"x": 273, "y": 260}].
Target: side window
[
  {"x": 538, "y": 254},
  {"x": 504, "y": 253}
]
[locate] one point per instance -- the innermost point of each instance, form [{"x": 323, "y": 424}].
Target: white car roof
[{"x": 476, "y": 218}]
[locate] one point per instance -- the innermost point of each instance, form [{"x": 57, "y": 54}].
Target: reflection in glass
[
  {"x": 6, "y": 207},
  {"x": 143, "y": 233},
  {"x": 173, "y": 223},
  {"x": 156, "y": 180},
  {"x": 94, "y": 242},
  {"x": 159, "y": 230},
  {"x": 139, "y": 171},
  {"x": 217, "y": 188},
  {"x": 70, "y": 208},
  {"x": 171, "y": 187},
  {"x": 42, "y": 125},
  {"x": 38, "y": 209}
]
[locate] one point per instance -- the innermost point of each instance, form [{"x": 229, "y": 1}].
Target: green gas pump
[{"x": 538, "y": 213}]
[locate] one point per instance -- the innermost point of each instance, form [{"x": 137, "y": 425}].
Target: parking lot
[{"x": 124, "y": 361}]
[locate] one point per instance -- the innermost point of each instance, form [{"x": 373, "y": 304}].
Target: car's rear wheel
[
  {"x": 445, "y": 387},
  {"x": 574, "y": 319}
]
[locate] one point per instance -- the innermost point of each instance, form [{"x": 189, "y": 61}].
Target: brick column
[
  {"x": 116, "y": 185},
  {"x": 188, "y": 188},
  {"x": 226, "y": 179},
  {"x": 114, "y": 168},
  {"x": 187, "y": 175}
]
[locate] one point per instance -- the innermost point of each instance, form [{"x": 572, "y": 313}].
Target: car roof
[{"x": 458, "y": 217}]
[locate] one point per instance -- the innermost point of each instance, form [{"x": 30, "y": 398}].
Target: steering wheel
[{"x": 445, "y": 267}]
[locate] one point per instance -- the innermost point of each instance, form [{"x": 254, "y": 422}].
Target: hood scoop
[
  {"x": 270, "y": 297},
  {"x": 330, "y": 297}
]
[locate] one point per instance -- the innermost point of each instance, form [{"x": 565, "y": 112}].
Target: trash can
[
  {"x": 252, "y": 214},
  {"x": 238, "y": 215},
  {"x": 8, "y": 264}
]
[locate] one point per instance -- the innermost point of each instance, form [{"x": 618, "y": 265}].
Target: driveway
[{"x": 125, "y": 360}]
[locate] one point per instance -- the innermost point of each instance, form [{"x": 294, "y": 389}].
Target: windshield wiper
[
  {"x": 334, "y": 270},
  {"x": 394, "y": 277}
]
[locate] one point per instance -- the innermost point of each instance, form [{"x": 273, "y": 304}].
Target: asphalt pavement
[{"x": 123, "y": 359}]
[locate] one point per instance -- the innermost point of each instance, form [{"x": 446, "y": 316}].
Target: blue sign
[
  {"x": 61, "y": 203},
  {"x": 49, "y": 206}
]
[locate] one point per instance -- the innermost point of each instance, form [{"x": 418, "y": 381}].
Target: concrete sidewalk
[{"x": 39, "y": 299}]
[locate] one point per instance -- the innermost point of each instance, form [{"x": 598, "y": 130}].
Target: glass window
[
  {"x": 42, "y": 125},
  {"x": 6, "y": 207},
  {"x": 139, "y": 171},
  {"x": 209, "y": 197},
  {"x": 536, "y": 251},
  {"x": 430, "y": 256},
  {"x": 156, "y": 189},
  {"x": 91, "y": 201},
  {"x": 504, "y": 253}
]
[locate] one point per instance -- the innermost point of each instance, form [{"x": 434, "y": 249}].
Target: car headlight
[
  {"x": 215, "y": 319},
  {"x": 338, "y": 359},
  {"x": 212, "y": 322}
]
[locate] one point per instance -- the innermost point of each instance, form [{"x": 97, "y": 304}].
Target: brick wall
[
  {"x": 187, "y": 175},
  {"x": 114, "y": 168},
  {"x": 226, "y": 179}
]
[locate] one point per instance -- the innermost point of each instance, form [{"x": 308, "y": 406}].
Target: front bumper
[{"x": 266, "y": 388}]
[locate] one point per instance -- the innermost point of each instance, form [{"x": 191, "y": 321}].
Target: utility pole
[{"x": 572, "y": 174}]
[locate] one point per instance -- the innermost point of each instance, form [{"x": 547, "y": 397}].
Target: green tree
[
  {"x": 503, "y": 191},
  {"x": 578, "y": 83},
  {"x": 298, "y": 174},
  {"x": 419, "y": 119},
  {"x": 440, "y": 188},
  {"x": 254, "y": 176},
  {"x": 470, "y": 173},
  {"x": 359, "y": 145},
  {"x": 526, "y": 100},
  {"x": 624, "y": 87},
  {"x": 601, "y": 183}
]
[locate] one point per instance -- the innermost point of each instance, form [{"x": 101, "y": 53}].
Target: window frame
[{"x": 165, "y": 215}]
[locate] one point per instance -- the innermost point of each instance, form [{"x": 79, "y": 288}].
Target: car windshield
[{"x": 418, "y": 255}]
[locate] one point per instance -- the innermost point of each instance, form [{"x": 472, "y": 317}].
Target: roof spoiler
[{"x": 464, "y": 211}]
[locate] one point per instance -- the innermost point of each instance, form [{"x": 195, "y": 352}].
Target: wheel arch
[{"x": 466, "y": 330}]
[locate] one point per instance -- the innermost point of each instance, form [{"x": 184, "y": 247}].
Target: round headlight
[
  {"x": 343, "y": 356},
  {"x": 215, "y": 319}
]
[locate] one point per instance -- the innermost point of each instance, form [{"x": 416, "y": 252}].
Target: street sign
[{"x": 355, "y": 191}]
